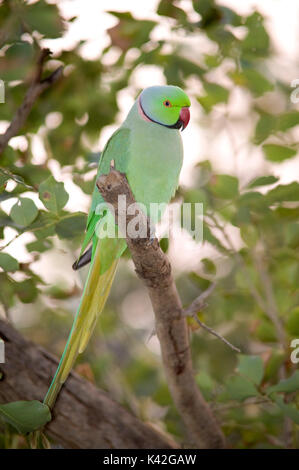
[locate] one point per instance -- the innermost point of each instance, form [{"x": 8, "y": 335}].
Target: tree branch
[
  {"x": 197, "y": 305},
  {"x": 214, "y": 333},
  {"x": 37, "y": 87},
  {"x": 153, "y": 267},
  {"x": 84, "y": 416}
]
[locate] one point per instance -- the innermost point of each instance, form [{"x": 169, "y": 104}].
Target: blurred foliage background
[{"x": 244, "y": 169}]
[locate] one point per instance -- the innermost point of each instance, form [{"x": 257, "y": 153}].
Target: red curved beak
[{"x": 184, "y": 117}]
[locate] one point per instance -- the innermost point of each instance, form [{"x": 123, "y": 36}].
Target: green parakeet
[{"x": 148, "y": 149}]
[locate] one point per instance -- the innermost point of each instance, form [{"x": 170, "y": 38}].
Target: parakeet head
[{"x": 165, "y": 105}]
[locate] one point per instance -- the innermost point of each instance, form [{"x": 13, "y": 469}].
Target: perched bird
[{"x": 148, "y": 149}]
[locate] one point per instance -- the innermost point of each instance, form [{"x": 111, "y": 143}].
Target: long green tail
[{"x": 96, "y": 291}]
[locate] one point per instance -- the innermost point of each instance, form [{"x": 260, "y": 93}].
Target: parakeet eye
[{"x": 167, "y": 103}]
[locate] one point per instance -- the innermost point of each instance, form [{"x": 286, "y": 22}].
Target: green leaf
[
  {"x": 288, "y": 385},
  {"x": 44, "y": 225},
  {"x": 292, "y": 235},
  {"x": 197, "y": 195},
  {"x": 209, "y": 266},
  {"x": 282, "y": 193},
  {"x": 252, "y": 199},
  {"x": 252, "y": 367},
  {"x": 44, "y": 18},
  {"x": 71, "y": 226},
  {"x": 86, "y": 186},
  {"x": 257, "y": 83},
  {"x": 24, "y": 212},
  {"x": 39, "y": 245},
  {"x": 18, "y": 59},
  {"x": 214, "y": 94},
  {"x": 205, "y": 8},
  {"x": 249, "y": 235},
  {"x": 292, "y": 324},
  {"x": 278, "y": 153},
  {"x": 53, "y": 195},
  {"x": 256, "y": 43},
  {"x": 288, "y": 409},
  {"x": 266, "y": 125},
  {"x": 3, "y": 180},
  {"x": 167, "y": 8},
  {"x": 262, "y": 181},
  {"x": 129, "y": 31},
  {"x": 253, "y": 80},
  {"x": 205, "y": 383},
  {"x": 164, "y": 244},
  {"x": 287, "y": 214},
  {"x": 242, "y": 216},
  {"x": 209, "y": 237},
  {"x": 8, "y": 263},
  {"x": 228, "y": 212},
  {"x": 225, "y": 186},
  {"x": 266, "y": 331},
  {"x": 26, "y": 291},
  {"x": 288, "y": 120},
  {"x": 33, "y": 174},
  {"x": 212, "y": 61},
  {"x": 273, "y": 365},
  {"x": 25, "y": 416},
  {"x": 240, "y": 388}
]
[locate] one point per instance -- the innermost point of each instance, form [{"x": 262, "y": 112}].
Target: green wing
[{"x": 117, "y": 149}]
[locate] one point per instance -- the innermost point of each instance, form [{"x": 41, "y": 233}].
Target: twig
[
  {"x": 152, "y": 265},
  {"x": 37, "y": 87},
  {"x": 213, "y": 332},
  {"x": 197, "y": 305},
  {"x": 11, "y": 241},
  {"x": 259, "y": 401}
]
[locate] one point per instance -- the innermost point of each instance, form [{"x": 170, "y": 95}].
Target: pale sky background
[{"x": 225, "y": 147}]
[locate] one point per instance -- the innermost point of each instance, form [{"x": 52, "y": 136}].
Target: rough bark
[
  {"x": 153, "y": 267},
  {"x": 84, "y": 416}
]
